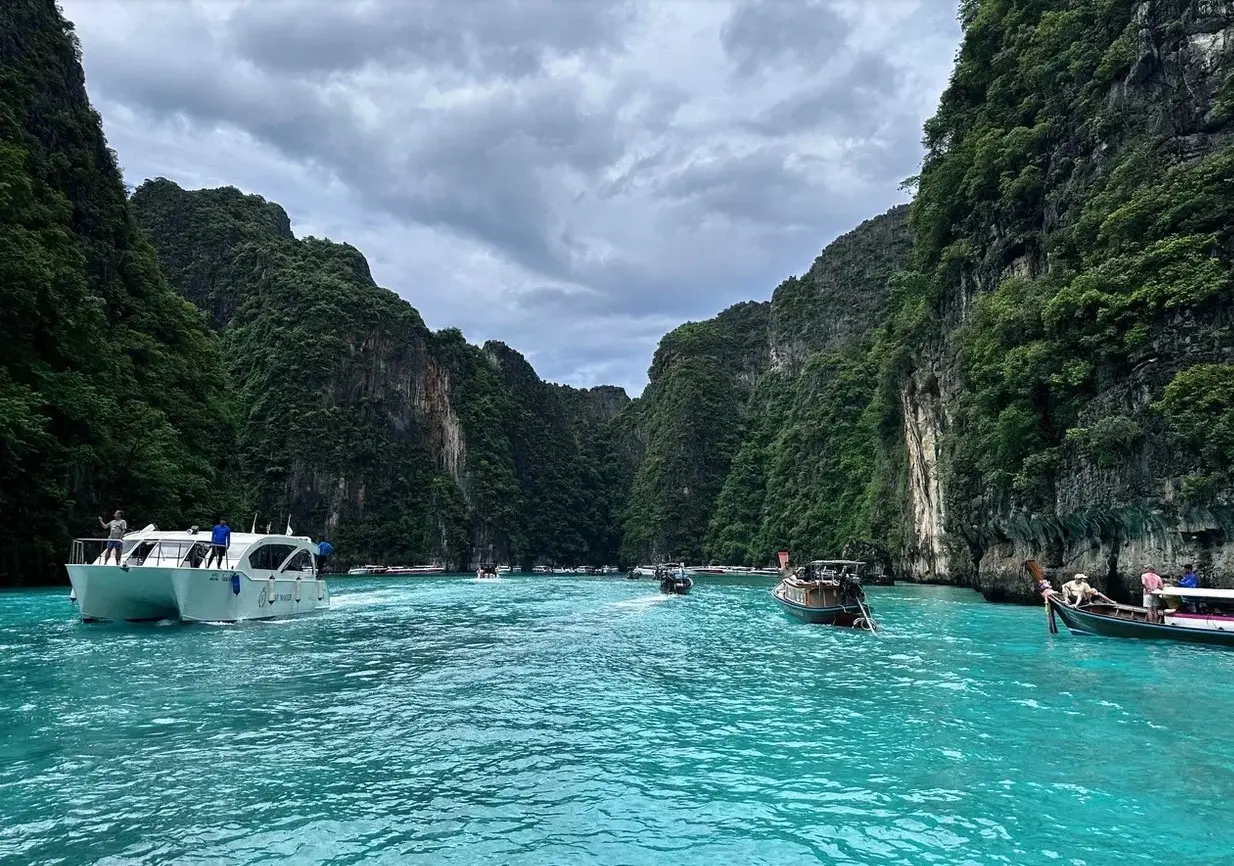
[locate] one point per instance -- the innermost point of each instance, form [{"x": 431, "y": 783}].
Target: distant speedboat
[
  {"x": 675, "y": 582},
  {"x": 160, "y": 577},
  {"x": 395, "y": 570},
  {"x": 828, "y": 592},
  {"x": 487, "y": 572}
]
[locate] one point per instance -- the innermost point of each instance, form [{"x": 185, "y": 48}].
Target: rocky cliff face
[
  {"x": 360, "y": 423},
  {"x": 1084, "y": 268}
]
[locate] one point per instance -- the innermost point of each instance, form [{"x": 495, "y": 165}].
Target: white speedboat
[{"x": 161, "y": 577}]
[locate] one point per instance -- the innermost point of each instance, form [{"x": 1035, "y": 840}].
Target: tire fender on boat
[
  {"x": 235, "y": 583},
  {"x": 321, "y": 589},
  {"x": 270, "y": 589},
  {"x": 299, "y": 583}
]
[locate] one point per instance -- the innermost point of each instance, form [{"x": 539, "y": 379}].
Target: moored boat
[
  {"x": 826, "y": 591},
  {"x": 160, "y": 576},
  {"x": 1188, "y": 614}
]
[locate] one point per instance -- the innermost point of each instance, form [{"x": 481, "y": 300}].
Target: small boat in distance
[
  {"x": 487, "y": 572},
  {"x": 161, "y": 576},
  {"x": 826, "y": 591},
  {"x": 395, "y": 570},
  {"x": 675, "y": 581}
]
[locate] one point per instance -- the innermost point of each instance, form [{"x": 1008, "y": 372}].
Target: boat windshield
[{"x": 167, "y": 552}]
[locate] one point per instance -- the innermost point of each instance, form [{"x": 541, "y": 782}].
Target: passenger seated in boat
[{"x": 197, "y": 555}]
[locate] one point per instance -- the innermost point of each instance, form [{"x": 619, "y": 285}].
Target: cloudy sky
[{"x": 574, "y": 177}]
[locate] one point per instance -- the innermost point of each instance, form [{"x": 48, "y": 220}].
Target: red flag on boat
[{"x": 783, "y": 559}]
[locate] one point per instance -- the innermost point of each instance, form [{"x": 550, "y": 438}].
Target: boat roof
[
  {"x": 1196, "y": 592},
  {"x": 836, "y": 562},
  {"x": 240, "y": 541}
]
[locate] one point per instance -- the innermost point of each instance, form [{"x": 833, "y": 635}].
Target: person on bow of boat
[
  {"x": 116, "y": 527},
  {"x": 1077, "y": 592}
]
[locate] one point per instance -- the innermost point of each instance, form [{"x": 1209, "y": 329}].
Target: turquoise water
[{"x": 593, "y": 721}]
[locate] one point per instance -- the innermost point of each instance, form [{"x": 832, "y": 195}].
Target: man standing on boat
[
  {"x": 220, "y": 540},
  {"x": 116, "y": 527},
  {"x": 324, "y": 549},
  {"x": 1151, "y": 582}
]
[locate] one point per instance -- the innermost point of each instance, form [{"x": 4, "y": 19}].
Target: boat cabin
[
  {"x": 248, "y": 552},
  {"x": 1193, "y": 607}
]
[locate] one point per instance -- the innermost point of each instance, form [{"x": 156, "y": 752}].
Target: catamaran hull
[
  {"x": 108, "y": 592},
  {"x": 1083, "y": 622},
  {"x": 214, "y": 598},
  {"x": 145, "y": 593}
]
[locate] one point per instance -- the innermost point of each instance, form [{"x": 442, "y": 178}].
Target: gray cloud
[
  {"x": 763, "y": 33},
  {"x": 573, "y": 178},
  {"x": 858, "y": 99},
  {"x": 494, "y": 37}
]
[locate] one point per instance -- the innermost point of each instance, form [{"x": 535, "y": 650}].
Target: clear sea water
[{"x": 593, "y": 721}]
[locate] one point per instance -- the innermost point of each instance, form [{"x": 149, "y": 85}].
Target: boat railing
[{"x": 165, "y": 552}]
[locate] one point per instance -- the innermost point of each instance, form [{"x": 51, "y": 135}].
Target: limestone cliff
[
  {"x": 356, "y": 420},
  {"x": 1073, "y": 228},
  {"x": 752, "y": 435}
]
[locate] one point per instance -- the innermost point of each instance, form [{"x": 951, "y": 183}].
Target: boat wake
[
  {"x": 366, "y": 599},
  {"x": 641, "y": 603}
]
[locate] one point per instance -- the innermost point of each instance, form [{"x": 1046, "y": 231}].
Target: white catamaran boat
[{"x": 161, "y": 577}]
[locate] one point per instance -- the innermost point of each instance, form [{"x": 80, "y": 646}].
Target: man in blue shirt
[
  {"x": 1189, "y": 578},
  {"x": 220, "y": 540},
  {"x": 324, "y": 549}
]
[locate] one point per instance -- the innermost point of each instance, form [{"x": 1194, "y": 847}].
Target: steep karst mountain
[
  {"x": 1046, "y": 374},
  {"x": 753, "y": 425},
  {"x": 355, "y": 419},
  {"x": 1068, "y": 396}
]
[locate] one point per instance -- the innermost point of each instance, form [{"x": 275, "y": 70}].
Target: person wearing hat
[
  {"x": 220, "y": 540},
  {"x": 1078, "y": 589}
]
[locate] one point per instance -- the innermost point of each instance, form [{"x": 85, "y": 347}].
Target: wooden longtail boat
[
  {"x": 827, "y": 592},
  {"x": 1123, "y": 620},
  {"x": 1183, "y": 613}
]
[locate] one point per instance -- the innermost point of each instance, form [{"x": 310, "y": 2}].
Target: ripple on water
[{"x": 541, "y": 720}]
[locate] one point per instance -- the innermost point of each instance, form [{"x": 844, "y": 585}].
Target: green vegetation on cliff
[
  {"x": 399, "y": 443},
  {"x": 770, "y": 423},
  {"x": 111, "y": 387},
  {"x": 1111, "y": 242}
]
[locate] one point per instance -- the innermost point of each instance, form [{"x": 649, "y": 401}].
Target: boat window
[
  {"x": 302, "y": 561},
  {"x": 139, "y": 553},
  {"x": 270, "y": 556}
]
